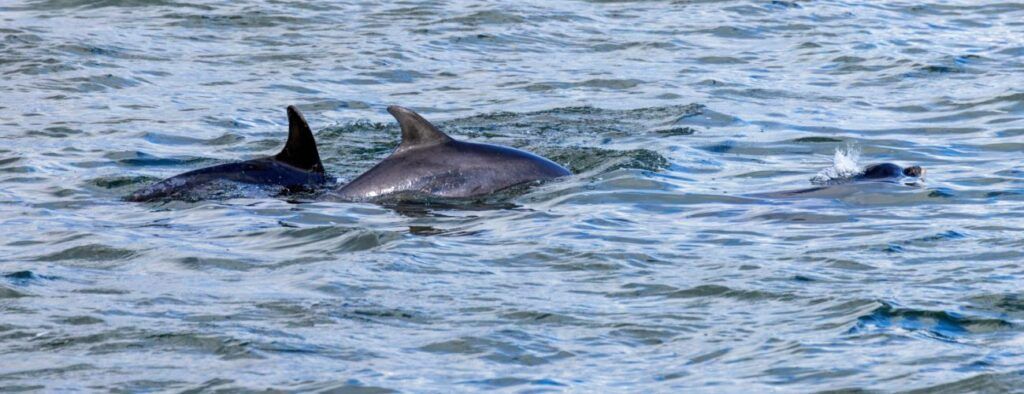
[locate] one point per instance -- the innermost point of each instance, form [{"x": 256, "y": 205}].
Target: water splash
[{"x": 844, "y": 166}]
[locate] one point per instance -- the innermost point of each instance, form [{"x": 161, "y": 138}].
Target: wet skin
[
  {"x": 889, "y": 171},
  {"x": 264, "y": 172},
  {"x": 429, "y": 163},
  {"x": 296, "y": 167}
]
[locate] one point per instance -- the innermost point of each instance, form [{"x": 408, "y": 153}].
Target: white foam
[{"x": 844, "y": 166}]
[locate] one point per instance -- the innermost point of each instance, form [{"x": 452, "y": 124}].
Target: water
[{"x": 652, "y": 268}]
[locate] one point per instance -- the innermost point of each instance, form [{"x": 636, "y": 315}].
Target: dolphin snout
[{"x": 914, "y": 171}]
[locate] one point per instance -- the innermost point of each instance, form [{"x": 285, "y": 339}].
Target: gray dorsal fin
[
  {"x": 300, "y": 150},
  {"x": 416, "y": 131}
]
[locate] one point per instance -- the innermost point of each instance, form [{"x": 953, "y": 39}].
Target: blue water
[{"x": 654, "y": 268}]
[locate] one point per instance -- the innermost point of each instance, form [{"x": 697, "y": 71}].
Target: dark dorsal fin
[
  {"x": 300, "y": 150},
  {"x": 416, "y": 131}
]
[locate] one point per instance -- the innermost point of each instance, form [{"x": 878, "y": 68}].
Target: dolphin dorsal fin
[
  {"x": 416, "y": 131},
  {"x": 300, "y": 150}
]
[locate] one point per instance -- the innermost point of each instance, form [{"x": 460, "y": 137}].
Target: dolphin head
[
  {"x": 882, "y": 171},
  {"x": 914, "y": 171},
  {"x": 889, "y": 172}
]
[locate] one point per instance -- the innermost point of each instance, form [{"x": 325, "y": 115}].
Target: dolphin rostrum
[
  {"x": 429, "y": 163},
  {"x": 296, "y": 167}
]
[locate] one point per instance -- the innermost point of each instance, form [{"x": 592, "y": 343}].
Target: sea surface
[{"x": 656, "y": 267}]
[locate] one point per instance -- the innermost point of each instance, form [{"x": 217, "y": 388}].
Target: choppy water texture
[{"x": 650, "y": 269}]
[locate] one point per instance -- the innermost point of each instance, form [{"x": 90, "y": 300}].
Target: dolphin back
[
  {"x": 296, "y": 167},
  {"x": 429, "y": 163}
]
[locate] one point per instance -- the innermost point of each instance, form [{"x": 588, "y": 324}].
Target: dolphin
[
  {"x": 886, "y": 173},
  {"x": 296, "y": 167},
  {"x": 430, "y": 164}
]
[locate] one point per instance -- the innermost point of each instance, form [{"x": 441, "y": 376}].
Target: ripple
[
  {"x": 940, "y": 325},
  {"x": 659, "y": 266},
  {"x": 136, "y": 159},
  {"x": 90, "y": 252},
  {"x": 6, "y": 292},
  {"x": 244, "y": 19},
  {"x": 226, "y": 348},
  {"x": 635, "y": 290},
  {"x": 486, "y": 17}
]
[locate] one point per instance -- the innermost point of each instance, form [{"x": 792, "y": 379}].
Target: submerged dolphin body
[
  {"x": 296, "y": 167},
  {"x": 429, "y": 163},
  {"x": 884, "y": 173}
]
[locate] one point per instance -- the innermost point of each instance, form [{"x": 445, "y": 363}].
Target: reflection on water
[{"x": 658, "y": 266}]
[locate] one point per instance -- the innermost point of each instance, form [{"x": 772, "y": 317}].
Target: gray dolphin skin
[
  {"x": 296, "y": 167},
  {"x": 429, "y": 163}
]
